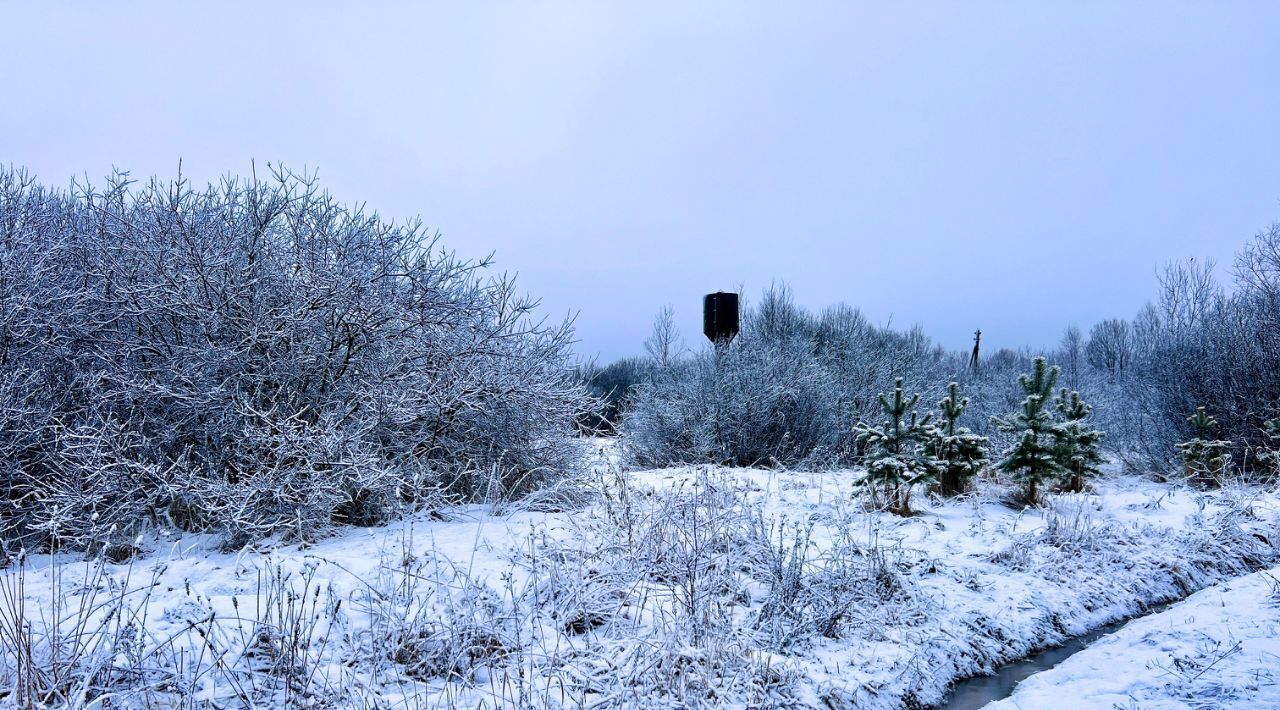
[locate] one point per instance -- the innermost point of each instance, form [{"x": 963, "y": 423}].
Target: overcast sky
[{"x": 1016, "y": 166}]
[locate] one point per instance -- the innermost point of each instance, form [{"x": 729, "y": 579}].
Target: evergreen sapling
[
  {"x": 1076, "y": 445},
  {"x": 897, "y": 452},
  {"x": 1031, "y": 460},
  {"x": 961, "y": 453},
  {"x": 1206, "y": 459}
]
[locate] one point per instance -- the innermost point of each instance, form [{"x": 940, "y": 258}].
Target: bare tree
[
  {"x": 1110, "y": 347},
  {"x": 1071, "y": 355},
  {"x": 664, "y": 343},
  {"x": 1258, "y": 265}
]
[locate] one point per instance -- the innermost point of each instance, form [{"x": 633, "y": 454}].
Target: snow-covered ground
[
  {"x": 693, "y": 586},
  {"x": 1220, "y": 648}
]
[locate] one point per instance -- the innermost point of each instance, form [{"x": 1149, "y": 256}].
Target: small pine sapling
[
  {"x": 961, "y": 453},
  {"x": 897, "y": 452},
  {"x": 1031, "y": 459},
  {"x": 1076, "y": 445},
  {"x": 1206, "y": 459}
]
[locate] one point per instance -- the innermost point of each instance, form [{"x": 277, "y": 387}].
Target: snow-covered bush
[
  {"x": 97, "y": 491},
  {"x": 788, "y": 390},
  {"x": 764, "y": 400},
  {"x": 261, "y": 358}
]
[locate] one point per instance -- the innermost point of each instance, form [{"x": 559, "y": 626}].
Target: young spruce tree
[
  {"x": 1206, "y": 459},
  {"x": 961, "y": 453},
  {"x": 1032, "y": 459},
  {"x": 1076, "y": 445},
  {"x": 897, "y": 452}
]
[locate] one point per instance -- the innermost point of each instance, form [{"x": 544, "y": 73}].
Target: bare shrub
[
  {"x": 786, "y": 392},
  {"x": 256, "y": 357}
]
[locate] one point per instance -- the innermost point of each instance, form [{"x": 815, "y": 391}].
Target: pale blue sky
[{"x": 1016, "y": 165}]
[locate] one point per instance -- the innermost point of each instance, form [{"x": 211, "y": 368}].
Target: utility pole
[{"x": 977, "y": 341}]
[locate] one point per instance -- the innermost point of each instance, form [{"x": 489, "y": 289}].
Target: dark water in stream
[{"x": 980, "y": 690}]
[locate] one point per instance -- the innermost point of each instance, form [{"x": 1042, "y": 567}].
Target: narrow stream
[{"x": 978, "y": 691}]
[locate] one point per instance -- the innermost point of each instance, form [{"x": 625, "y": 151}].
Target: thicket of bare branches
[
  {"x": 1201, "y": 345},
  {"x": 255, "y": 357},
  {"x": 794, "y": 383},
  {"x": 1196, "y": 344},
  {"x": 788, "y": 390}
]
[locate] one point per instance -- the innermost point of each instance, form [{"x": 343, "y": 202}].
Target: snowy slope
[{"x": 1220, "y": 648}]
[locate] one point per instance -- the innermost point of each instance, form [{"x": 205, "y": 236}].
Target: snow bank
[{"x": 1219, "y": 648}]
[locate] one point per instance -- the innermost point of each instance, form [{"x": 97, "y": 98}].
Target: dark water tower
[{"x": 720, "y": 317}]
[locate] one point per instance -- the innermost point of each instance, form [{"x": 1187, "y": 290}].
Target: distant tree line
[{"x": 796, "y": 387}]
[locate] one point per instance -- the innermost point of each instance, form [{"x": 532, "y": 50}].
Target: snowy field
[{"x": 691, "y": 587}]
